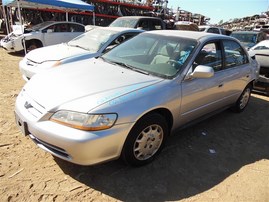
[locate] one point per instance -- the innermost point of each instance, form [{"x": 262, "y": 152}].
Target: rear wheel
[
  {"x": 145, "y": 140},
  {"x": 243, "y": 100}
]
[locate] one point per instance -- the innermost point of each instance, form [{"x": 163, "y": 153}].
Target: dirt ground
[{"x": 225, "y": 158}]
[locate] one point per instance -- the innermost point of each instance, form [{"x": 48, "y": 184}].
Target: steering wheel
[{"x": 172, "y": 62}]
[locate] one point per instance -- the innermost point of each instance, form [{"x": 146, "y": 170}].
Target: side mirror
[{"x": 202, "y": 71}]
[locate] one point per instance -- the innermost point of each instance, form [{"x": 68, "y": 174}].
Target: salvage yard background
[{"x": 225, "y": 158}]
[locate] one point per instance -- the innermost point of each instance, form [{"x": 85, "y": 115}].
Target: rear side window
[
  {"x": 150, "y": 24},
  {"x": 261, "y": 37},
  {"x": 234, "y": 54},
  {"x": 144, "y": 24},
  {"x": 61, "y": 28},
  {"x": 76, "y": 28},
  {"x": 213, "y": 30},
  {"x": 156, "y": 25}
]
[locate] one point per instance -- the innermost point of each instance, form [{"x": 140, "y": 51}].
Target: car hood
[
  {"x": 90, "y": 83},
  {"x": 54, "y": 52}
]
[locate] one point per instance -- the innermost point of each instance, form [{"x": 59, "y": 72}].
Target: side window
[
  {"x": 156, "y": 24},
  {"x": 52, "y": 28},
  {"x": 234, "y": 54},
  {"x": 213, "y": 30},
  {"x": 210, "y": 55},
  {"x": 144, "y": 24},
  {"x": 61, "y": 28},
  {"x": 261, "y": 37},
  {"x": 223, "y": 31},
  {"x": 76, "y": 28}
]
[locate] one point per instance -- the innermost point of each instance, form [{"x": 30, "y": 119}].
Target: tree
[{"x": 220, "y": 22}]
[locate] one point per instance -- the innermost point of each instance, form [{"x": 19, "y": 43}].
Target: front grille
[{"x": 33, "y": 107}]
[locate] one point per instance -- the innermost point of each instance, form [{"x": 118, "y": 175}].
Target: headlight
[{"x": 89, "y": 122}]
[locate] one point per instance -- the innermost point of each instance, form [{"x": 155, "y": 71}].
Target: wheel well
[
  {"x": 165, "y": 113},
  {"x": 251, "y": 83},
  {"x": 36, "y": 41}
]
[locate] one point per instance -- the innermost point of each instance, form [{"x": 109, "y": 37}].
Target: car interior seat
[{"x": 164, "y": 55}]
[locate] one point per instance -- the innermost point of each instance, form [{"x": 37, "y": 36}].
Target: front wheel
[
  {"x": 145, "y": 140},
  {"x": 243, "y": 100},
  {"x": 33, "y": 44}
]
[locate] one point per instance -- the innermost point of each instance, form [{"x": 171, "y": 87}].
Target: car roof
[
  {"x": 189, "y": 34},
  {"x": 70, "y": 22},
  {"x": 246, "y": 32},
  {"x": 138, "y": 17},
  {"x": 49, "y": 23},
  {"x": 120, "y": 29}
]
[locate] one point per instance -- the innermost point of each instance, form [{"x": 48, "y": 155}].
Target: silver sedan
[{"x": 127, "y": 102}]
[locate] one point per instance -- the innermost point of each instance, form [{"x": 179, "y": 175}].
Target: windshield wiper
[
  {"x": 131, "y": 67},
  {"x": 125, "y": 65},
  {"x": 77, "y": 46}
]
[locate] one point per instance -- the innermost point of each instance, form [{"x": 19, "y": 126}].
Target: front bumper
[
  {"x": 11, "y": 44},
  {"x": 26, "y": 70},
  {"x": 73, "y": 145}
]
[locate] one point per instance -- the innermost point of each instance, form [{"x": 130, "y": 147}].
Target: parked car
[
  {"x": 249, "y": 38},
  {"x": 214, "y": 30},
  {"x": 128, "y": 101},
  {"x": 185, "y": 25},
  {"x": 261, "y": 52},
  {"x": 88, "y": 45},
  {"x": 140, "y": 22},
  {"x": 44, "y": 34}
]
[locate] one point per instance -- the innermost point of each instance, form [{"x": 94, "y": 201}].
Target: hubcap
[
  {"x": 245, "y": 98},
  {"x": 148, "y": 142}
]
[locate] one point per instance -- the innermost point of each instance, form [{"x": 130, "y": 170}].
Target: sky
[{"x": 218, "y": 10}]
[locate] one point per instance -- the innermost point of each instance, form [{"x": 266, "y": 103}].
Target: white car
[
  {"x": 43, "y": 34},
  {"x": 261, "y": 52},
  {"x": 214, "y": 30},
  {"x": 92, "y": 43},
  {"x": 262, "y": 45}
]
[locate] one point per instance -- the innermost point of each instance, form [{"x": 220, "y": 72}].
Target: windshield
[
  {"x": 41, "y": 25},
  {"x": 155, "y": 54},
  {"x": 92, "y": 40},
  {"x": 120, "y": 22},
  {"x": 247, "y": 38}
]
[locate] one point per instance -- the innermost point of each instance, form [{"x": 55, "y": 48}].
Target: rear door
[{"x": 236, "y": 71}]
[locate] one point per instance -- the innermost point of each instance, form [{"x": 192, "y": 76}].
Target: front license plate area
[{"x": 22, "y": 125}]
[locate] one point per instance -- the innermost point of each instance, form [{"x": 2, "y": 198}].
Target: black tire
[
  {"x": 146, "y": 140},
  {"x": 243, "y": 100}
]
